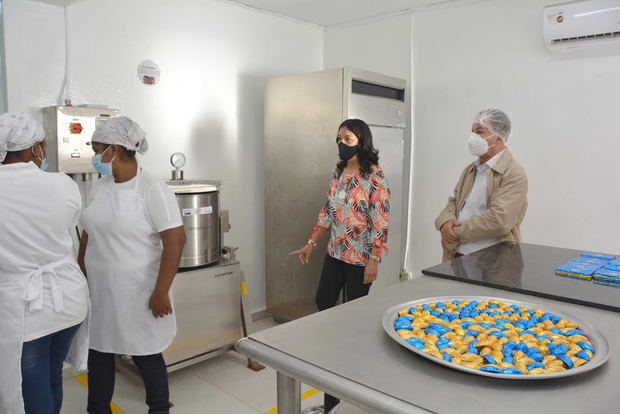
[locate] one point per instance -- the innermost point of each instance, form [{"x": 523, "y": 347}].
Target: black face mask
[{"x": 346, "y": 152}]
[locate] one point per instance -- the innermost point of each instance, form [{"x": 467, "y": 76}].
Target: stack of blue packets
[
  {"x": 604, "y": 258},
  {"x": 585, "y": 266},
  {"x": 608, "y": 275}
]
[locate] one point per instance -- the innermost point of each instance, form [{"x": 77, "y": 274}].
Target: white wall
[
  {"x": 564, "y": 110},
  {"x": 382, "y": 46},
  {"x": 214, "y": 58},
  {"x": 34, "y": 50}
]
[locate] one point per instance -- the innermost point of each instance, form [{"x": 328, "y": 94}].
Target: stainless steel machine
[
  {"x": 206, "y": 302},
  {"x": 68, "y": 130},
  {"x": 206, "y": 290},
  {"x": 302, "y": 114},
  {"x": 200, "y": 208}
]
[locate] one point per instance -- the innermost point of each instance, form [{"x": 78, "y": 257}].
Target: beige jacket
[{"x": 506, "y": 205}]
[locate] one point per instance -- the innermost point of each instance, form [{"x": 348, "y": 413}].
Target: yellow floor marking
[
  {"x": 309, "y": 394},
  {"x": 305, "y": 395},
  {"x": 84, "y": 381}
]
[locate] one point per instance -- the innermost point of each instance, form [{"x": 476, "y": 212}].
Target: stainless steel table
[
  {"x": 345, "y": 352},
  {"x": 530, "y": 269}
]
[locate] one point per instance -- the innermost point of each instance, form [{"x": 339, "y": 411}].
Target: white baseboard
[{"x": 260, "y": 314}]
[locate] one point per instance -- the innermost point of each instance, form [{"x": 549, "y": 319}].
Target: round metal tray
[{"x": 599, "y": 341}]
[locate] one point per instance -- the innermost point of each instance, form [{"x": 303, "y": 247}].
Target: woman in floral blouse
[{"x": 356, "y": 214}]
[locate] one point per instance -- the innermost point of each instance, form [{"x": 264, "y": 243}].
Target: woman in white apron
[
  {"x": 130, "y": 251},
  {"x": 43, "y": 293}
]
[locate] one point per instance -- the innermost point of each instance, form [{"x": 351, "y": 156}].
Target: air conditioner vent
[{"x": 609, "y": 35}]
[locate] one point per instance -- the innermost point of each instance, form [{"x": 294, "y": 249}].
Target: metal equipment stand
[
  {"x": 246, "y": 329},
  {"x": 246, "y": 321}
]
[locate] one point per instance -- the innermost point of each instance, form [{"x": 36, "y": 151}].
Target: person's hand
[
  {"x": 447, "y": 232},
  {"x": 303, "y": 253},
  {"x": 370, "y": 271},
  {"x": 159, "y": 304}
]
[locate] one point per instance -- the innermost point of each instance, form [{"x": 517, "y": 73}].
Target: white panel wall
[
  {"x": 382, "y": 46},
  {"x": 209, "y": 102},
  {"x": 564, "y": 110},
  {"x": 34, "y": 37},
  {"x": 214, "y": 59}
]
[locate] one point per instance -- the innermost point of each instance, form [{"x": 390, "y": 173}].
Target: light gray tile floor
[{"x": 221, "y": 385}]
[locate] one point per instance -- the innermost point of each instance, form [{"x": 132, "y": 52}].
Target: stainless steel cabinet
[
  {"x": 206, "y": 303},
  {"x": 302, "y": 115}
]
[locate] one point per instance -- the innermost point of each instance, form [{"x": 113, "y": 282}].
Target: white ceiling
[
  {"x": 61, "y": 3},
  {"x": 328, "y": 13}
]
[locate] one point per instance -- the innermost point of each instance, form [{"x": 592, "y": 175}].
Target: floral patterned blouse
[{"x": 357, "y": 212}]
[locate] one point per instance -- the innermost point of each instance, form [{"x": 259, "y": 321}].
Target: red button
[{"x": 75, "y": 128}]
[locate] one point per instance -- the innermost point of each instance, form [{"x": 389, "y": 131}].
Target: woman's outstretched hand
[{"x": 303, "y": 253}]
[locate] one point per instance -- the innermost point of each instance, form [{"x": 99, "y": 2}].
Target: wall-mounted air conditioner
[{"x": 581, "y": 23}]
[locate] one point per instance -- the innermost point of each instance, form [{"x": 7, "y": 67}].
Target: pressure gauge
[{"x": 177, "y": 160}]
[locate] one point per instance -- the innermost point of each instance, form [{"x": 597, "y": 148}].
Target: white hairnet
[
  {"x": 18, "y": 131},
  {"x": 495, "y": 121},
  {"x": 121, "y": 131}
]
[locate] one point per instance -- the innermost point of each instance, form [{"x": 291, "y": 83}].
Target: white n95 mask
[{"x": 478, "y": 145}]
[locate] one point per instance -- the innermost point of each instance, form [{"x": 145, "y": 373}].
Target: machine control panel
[{"x": 68, "y": 130}]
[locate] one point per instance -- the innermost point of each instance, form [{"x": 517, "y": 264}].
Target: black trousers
[
  {"x": 338, "y": 276},
  {"x": 101, "y": 373}
]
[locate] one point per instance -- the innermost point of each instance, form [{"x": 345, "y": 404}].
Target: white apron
[
  {"x": 122, "y": 264},
  {"x": 16, "y": 293}
]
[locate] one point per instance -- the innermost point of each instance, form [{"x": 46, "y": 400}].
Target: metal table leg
[
  {"x": 246, "y": 320},
  {"x": 289, "y": 395}
]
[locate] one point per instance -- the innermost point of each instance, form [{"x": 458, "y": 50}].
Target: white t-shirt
[
  {"x": 38, "y": 213},
  {"x": 160, "y": 201}
]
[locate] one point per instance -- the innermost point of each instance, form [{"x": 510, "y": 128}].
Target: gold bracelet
[
  {"x": 312, "y": 243},
  {"x": 375, "y": 258}
]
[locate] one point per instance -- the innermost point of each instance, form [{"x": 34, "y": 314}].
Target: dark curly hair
[{"x": 367, "y": 155}]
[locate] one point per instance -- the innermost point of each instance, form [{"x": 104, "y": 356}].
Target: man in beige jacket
[{"x": 490, "y": 198}]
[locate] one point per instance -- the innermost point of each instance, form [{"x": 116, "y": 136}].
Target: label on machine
[{"x": 197, "y": 211}]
